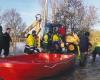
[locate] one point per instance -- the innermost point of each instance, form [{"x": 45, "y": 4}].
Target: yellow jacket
[
  {"x": 45, "y": 38},
  {"x": 30, "y": 41},
  {"x": 72, "y": 39},
  {"x": 56, "y": 37}
]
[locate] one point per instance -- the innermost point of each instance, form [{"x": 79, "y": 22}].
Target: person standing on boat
[{"x": 7, "y": 40}]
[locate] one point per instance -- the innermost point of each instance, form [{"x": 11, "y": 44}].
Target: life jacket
[
  {"x": 71, "y": 39},
  {"x": 30, "y": 41},
  {"x": 56, "y": 37},
  {"x": 45, "y": 37}
]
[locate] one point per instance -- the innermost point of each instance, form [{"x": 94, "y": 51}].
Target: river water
[{"x": 90, "y": 72}]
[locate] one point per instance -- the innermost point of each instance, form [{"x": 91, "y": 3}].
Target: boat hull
[{"x": 33, "y": 67}]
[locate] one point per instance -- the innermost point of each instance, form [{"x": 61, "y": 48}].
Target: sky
[
  {"x": 29, "y": 8},
  {"x": 95, "y": 3}
]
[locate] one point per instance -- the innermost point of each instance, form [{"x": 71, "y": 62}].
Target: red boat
[{"x": 35, "y": 66}]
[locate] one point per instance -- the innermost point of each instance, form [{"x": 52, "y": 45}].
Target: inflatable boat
[{"x": 34, "y": 66}]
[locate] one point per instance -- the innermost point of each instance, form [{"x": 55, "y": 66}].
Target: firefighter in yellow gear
[
  {"x": 30, "y": 46},
  {"x": 45, "y": 42},
  {"x": 72, "y": 41},
  {"x": 56, "y": 43},
  {"x": 30, "y": 41}
]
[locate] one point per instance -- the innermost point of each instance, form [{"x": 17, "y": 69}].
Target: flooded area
[
  {"x": 90, "y": 72},
  {"x": 46, "y": 27}
]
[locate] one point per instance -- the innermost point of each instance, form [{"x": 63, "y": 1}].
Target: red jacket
[{"x": 62, "y": 31}]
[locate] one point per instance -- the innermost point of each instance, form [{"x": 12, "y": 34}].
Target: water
[
  {"x": 19, "y": 49},
  {"x": 90, "y": 72}
]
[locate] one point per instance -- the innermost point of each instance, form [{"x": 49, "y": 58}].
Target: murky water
[{"x": 90, "y": 72}]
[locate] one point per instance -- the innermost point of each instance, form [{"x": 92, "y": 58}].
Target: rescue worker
[
  {"x": 84, "y": 47},
  {"x": 72, "y": 41},
  {"x": 56, "y": 43},
  {"x": 30, "y": 46},
  {"x": 45, "y": 42},
  {"x": 96, "y": 50}
]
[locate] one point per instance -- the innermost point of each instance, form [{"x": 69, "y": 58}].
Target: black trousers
[{"x": 6, "y": 51}]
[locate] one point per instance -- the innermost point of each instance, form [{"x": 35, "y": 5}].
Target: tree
[
  {"x": 12, "y": 19},
  {"x": 75, "y": 15}
]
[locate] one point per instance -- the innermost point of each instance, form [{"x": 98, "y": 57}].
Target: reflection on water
[{"x": 90, "y": 72}]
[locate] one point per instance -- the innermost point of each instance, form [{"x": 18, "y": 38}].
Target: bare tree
[
  {"x": 12, "y": 19},
  {"x": 73, "y": 14},
  {"x": 76, "y": 15}
]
